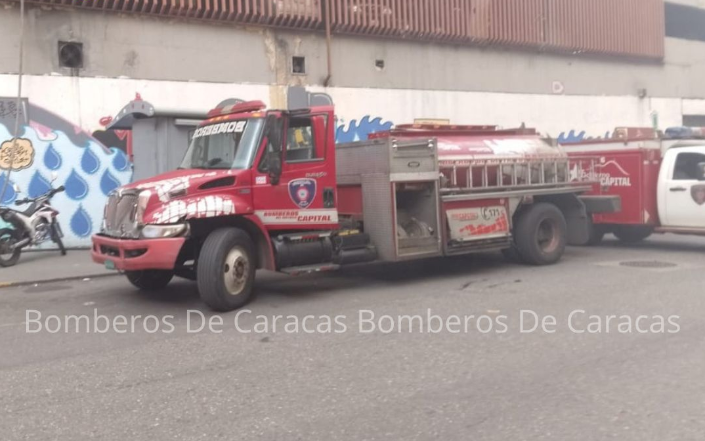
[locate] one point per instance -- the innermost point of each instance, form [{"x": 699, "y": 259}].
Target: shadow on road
[{"x": 274, "y": 286}]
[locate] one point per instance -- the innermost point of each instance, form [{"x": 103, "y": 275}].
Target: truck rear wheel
[
  {"x": 632, "y": 234},
  {"x": 150, "y": 280},
  {"x": 226, "y": 269},
  {"x": 540, "y": 234}
]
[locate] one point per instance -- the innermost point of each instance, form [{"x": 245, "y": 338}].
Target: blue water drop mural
[
  {"x": 10, "y": 194},
  {"x": 81, "y": 223},
  {"x": 359, "y": 131},
  {"x": 52, "y": 158},
  {"x": 76, "y": 186},
  {"x": 89, "y": 161},
  {"x": 38, "y": 185},
  {"x": 108, "y": 183},
  {"x": 120, "y": 161}
]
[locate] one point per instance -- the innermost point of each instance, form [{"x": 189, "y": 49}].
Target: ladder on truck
[{"x": 482, "y": 178}]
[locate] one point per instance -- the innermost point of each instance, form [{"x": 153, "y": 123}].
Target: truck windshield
[{"x": 225, "y": 145}]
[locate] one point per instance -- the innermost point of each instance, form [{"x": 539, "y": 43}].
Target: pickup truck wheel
[
  {"x": 540, "y": 234},
  {"x": 150, "y": 280},
  {"x": 632, "y": 234},
  {"x": 226, "y": 269}
]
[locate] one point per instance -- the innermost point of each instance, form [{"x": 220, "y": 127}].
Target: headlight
[
  {"x": 142, "y": 201},
  {"x": 161, "y": 231}
]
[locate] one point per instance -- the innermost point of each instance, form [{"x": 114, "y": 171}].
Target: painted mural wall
[
  {"x": 63, "y": 119},
  {"x": 51, "y": 148}
]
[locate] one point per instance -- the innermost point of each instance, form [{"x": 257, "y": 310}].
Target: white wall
[{"x": 83, "y": 101}]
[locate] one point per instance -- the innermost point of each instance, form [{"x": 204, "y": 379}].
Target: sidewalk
[{"x": 50, "y": 266}]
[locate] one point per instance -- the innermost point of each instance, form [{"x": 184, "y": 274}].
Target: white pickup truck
[{"x": 660, "y": 179}]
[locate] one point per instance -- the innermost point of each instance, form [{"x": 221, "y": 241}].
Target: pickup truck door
[
  {"x": 303, "y": 196},
  {"x": 682, "y": 188}
]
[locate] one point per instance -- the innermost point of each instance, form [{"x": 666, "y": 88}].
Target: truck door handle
[{"x": 674, "y": 189}]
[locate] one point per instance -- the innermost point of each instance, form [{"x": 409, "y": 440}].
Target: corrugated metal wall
[
  {"x": 613, "y": 27},
  {"x": 616, "y": 27}
]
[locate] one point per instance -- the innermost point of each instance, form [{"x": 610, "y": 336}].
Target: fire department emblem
[
  {"x": 302, "y": 192},
  {"x": 698, "y": 193}
]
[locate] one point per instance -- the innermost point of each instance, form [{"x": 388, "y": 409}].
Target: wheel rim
[
  {"x": 236, "y": 270},
  {"x": 547, "y": 235}
]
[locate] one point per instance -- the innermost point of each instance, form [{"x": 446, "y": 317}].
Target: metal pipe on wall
[{"x": 329, "y": 60}]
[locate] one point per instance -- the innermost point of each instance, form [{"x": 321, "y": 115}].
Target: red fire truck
[
  {"x": 660, "y": 179},
  {"x": 270, "y": 189}
]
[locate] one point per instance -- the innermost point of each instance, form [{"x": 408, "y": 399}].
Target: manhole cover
[{"x": 648, "y": 264}]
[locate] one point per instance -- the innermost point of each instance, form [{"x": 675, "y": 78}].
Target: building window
[
  {"x": 71, "y": 54},
  {"x": 298, "y": 65}
]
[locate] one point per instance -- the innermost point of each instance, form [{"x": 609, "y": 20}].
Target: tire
[
  {"x": 150, "y": 280},
  {"x": 56, "y": 237},
  {"x": 595, "y": 233},
  {"x": 540, "y": 234},
  {"x": 8, "y": 237},
  {"x": 226, "y": 269},
  {"x": 632, "y": 234}
]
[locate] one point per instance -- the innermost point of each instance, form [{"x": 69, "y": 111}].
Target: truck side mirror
[
  {"x": 274, "y": 165},
  {"x": 701, "y": 171},
  {"x": 274, "y": 150}
]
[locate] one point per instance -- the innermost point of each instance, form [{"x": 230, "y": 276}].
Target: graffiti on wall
[
  {"x": 574, "y": 136},
  {"x": 48, "y": 145},
  {"x": 359, "y": 130}
]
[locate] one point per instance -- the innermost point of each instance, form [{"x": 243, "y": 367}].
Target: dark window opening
[
  {"x": 379, "y": 64},
  {"x": 71, "y": 55},
  {"x": 298, "y": 65}
]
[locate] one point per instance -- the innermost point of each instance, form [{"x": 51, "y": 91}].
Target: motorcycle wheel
[
  {"x": 56, "y": 237},
  {"x": 9, "y": 237}
]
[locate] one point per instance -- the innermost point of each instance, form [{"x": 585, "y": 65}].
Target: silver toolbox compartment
[
  {"x": 400, "y": 186},
  {"x": 418, "y": 156}
]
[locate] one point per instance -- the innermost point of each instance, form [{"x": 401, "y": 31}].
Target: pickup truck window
[{"x": 686, "y": 168}]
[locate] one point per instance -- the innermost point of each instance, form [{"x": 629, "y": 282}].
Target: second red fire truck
[{"x": 270, "y": 189}]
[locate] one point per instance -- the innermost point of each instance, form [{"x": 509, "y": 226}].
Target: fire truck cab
[
  {"x": 270, "y": 189},
  {"x": 660, "y": 179}
]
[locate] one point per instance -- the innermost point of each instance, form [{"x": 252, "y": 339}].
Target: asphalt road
[{"x": 280, "y": 385}]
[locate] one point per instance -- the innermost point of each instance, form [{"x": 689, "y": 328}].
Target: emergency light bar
[
  {"x": 248, "y": 106},
  {"x": 685, "y": 132}
]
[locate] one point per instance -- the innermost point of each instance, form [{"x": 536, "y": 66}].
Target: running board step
[{"x": 308, "y": 269}]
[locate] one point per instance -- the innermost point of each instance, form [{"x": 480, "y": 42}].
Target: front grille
[{"x": 120, "y": 213}]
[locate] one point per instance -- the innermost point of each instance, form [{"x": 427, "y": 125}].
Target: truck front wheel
[
  {"x": 632, "y": 234},
  {"x": 150, "y": 280},
  {"x": 540, "y": 234},
  {"x": 226, "y": 269}
]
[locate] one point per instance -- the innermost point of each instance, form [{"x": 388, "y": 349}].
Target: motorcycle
[{"x": 33, "y": 226}]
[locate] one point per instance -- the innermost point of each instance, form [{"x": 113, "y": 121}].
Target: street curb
[{"x": 58, "y": 279}]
